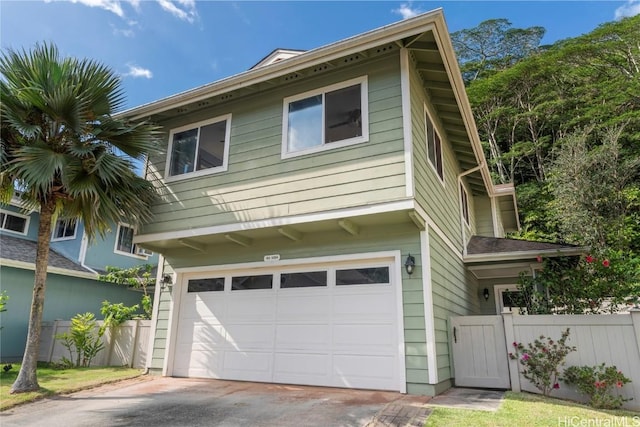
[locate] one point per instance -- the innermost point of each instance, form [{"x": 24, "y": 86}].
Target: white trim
[
  {"x": 407, "y": 128},
  {"x": 398, "y": 205},
  {"x": 427, "y": 296},
  {"x": 11, "y": 213},
  {"x": 4, "y": 262},
  {"x": 430, "y": 223},
  {"x": 463, "y": 192},
  {"x": 497, "y": 293},
  {"x": 61, "y": 239},
  {"x": 506, "y": 256},
  {"x": 393, "y": 260},
  {"x": 428, "y": 115},
  {"x": 494, "y": 217},
  {"x": 133, "y": 243},
  {"x": 198, "y": 125},
  {"x": 364, "y": 117},
  {"x": 157, "y": 293}
]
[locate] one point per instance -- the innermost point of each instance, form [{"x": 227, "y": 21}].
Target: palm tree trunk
[{"x": 27, "y": 379}]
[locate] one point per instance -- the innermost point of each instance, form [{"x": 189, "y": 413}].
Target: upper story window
[
  {"x": 199, "y": 149},
  {"x": 13, "y": 222},
  {"x": 124, "y": 242},
  {"x": 330, "y": 117},
  {"x": 65, "y": 229},
  {"x": 464, "y": 200},
  {"x": 434, "y": 147}
]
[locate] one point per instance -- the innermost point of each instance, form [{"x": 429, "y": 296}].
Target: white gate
[{"x": 479, "y": 352}]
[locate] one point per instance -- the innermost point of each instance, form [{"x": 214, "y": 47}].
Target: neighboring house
[
  {"x": 72, "y": 285},
  {"x": 321, "y": 215}
]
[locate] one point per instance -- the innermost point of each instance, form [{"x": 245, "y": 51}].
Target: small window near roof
[
  {"x": 434, "y": 147},
  {"x": 64, "y": 229},
  {"x": 465, "y": 204},
  {"x": 331, "y": 117},
  {"x": 10, "y": 221},
  {"x": 124, "y": 241},
  {"x": 199, "y": 149}
]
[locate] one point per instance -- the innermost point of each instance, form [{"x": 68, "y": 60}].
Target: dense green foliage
[
  {"x": 600, "y": 383},
  {"x": 84, "y": 340},
  {"x": 138, "y": 277}
]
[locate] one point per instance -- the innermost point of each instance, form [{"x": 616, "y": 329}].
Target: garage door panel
[
  {"x": 250, "y": 336},
  {"x": 364, "y": 338},
  {"x": 206, "y": 306},
  {"x": 363, "y": 371},
  {"x": 315, "y": 307},
  {"x": 364, "y": 306},
  {"x": 247, "y": 365},
  {"x": 202, "y": 334},
  {"x": 302, "y": 368},
  {"x": 248, "y": 308},
  {"x": 203, "y": 363},
  {"x": 304, "y": 337}
]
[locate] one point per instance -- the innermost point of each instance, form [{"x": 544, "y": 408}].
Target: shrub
[
  {"x": 541, "y": 361},
  {"x": 598, "y": 383},
  {"x": 83, "y": 338}
]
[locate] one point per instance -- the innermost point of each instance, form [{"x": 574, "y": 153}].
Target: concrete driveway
[{"x": 158, "y": 401}]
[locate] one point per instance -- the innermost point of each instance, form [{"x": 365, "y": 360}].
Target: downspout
[
  {"x": 83, "y": 252},
  {"x": 459, "y": 181}
]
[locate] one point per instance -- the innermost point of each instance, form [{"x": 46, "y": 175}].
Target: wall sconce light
[
  {"x": 409, "y": 264},
  {"x": 167, "y": 281},
  {"x": 485, "y": 294}
]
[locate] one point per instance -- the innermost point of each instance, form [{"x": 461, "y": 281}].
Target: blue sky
[{"x": 164, "y": 47}]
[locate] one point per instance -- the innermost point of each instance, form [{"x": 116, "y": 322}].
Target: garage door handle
[{"x": 455, "y": 338}]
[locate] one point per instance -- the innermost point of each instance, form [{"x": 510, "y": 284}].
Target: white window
[
  {"x": 331, "y": 117},
  {"x": 434, "y": 147},
  {"x": 13, "y": 222},
  {"x": 65, "y": 229},
  {"x": 199, "y": 149},
  {"x": 464, "y": 201},
  {"x": 124, "y": 241}
]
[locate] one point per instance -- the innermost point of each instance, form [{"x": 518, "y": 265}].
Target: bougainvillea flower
[
  {"x": 525, "y": 357},
  {"x": 606, "y": 263},
  {"x": 589, "y": 258},
  {"x": 539, "y": 258},
  {"x": 556, "y": 386},
  {"x": 619, "y": 384}
]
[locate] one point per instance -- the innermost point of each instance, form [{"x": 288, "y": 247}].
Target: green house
[{"x": 324, "y": 213}]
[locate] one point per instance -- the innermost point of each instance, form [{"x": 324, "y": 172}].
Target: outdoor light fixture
[
  {"x": 485, "y": 294},
  {"x": 409, "y": 264},
  {"x": 167, "y": 281}
]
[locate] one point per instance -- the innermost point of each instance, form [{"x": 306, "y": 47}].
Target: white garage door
[{"x": 319, "y": 325}]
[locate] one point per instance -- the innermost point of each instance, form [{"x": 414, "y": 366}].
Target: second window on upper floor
[
  {"x": 199, "y": 149},
  {"x": 434, "y": 147},
  {"x": 65, "y": 229},
  {"x": 16, "y": 223},
  {"x": 330, "y": 117},
  {"x": 125, "y": 245}
]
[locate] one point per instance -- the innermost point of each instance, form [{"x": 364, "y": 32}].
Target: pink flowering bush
[
  {"x": 600, "y": 383},
  {"x": 541, "y": 361}
]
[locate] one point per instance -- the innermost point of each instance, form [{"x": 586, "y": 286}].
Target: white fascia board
[
  {"x": 508, "y": 256},
  {"x": 53, "y": 270},
  {"x": 430, "y": 21},
  {"x": 277, "y": 222}
]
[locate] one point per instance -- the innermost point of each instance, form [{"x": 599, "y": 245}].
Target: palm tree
[{"x": 65, "y": 154}]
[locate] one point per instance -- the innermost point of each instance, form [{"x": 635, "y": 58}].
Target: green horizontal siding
[
  {"x": 440, "y": 203},
  {"x": 260, "y": 185},
  {"x": 454, "y": 293},
  {"x": 484, "y": 219}
]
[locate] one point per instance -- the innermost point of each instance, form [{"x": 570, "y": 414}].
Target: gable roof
[
  {"x": 482, "y": 248},
  {"x": 425, "y": 38},
  {"x": 18, "y": 252},
  {"x": 277, "y": 55}
]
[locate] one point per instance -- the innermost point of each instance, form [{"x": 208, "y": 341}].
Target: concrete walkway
[{"x": 469, "y": 398}]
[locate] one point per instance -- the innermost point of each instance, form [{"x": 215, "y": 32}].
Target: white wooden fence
[
  {"x": 126, "y": 345},
  {"x": 612, "y": 339}
]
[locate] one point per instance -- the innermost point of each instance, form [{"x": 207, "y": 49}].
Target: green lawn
[
  {"x": 58, "y": 381},
  {"x": 524, "y": 409}
]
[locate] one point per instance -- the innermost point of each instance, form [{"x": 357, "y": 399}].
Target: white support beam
[
  {"x": 349, "y": 227},
  {"x": 290, "y": 233},
  {"x": 193, "y": 245},
  {"x": 240, "y": 240},
  {"x": 418, "y": 221}
]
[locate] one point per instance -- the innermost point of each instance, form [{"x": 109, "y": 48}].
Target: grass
[
  {"x": 59, "y": 381},
  {"x": 531, "y": 410}
]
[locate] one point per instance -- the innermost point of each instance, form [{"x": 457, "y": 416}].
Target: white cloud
[
  {"x": 127, "y": 32},
  {"x": 181, "y": 9},
  {"x": 406, "y": 10},
  {"x": 110, "y": 5},
  {"x": 135, "y": 71},
  {"x": 630, "y": 8}
]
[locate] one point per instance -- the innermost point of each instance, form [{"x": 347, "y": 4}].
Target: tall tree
[
  {"x": 66, "y": 155},
  {"x": 493, "y": 46}
]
